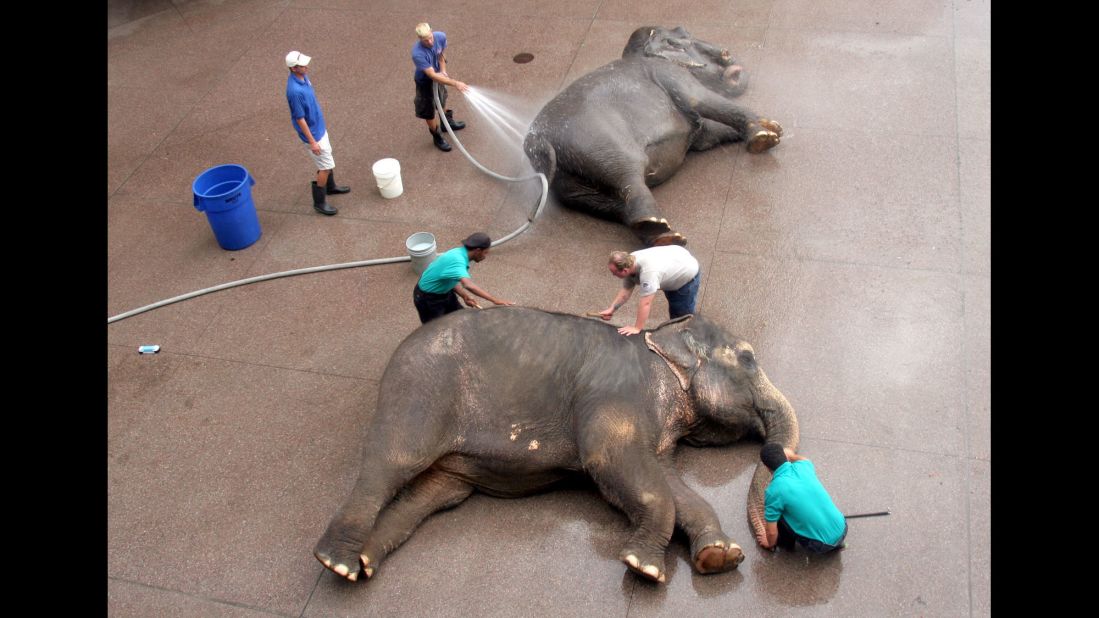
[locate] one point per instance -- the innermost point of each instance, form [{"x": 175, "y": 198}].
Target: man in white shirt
[{"x": 670, "y": 268}]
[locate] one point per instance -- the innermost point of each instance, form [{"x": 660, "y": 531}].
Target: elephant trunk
[{"x": 781, "y": 426}]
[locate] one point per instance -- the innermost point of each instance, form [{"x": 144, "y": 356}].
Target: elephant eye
[{"x": 676, "y": 43}]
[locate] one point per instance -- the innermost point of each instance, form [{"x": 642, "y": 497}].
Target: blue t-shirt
[
  {"x": 303, "y": 104},
  {"x": 796, "y": 494},
  {"x": 424, "y": 57},
  {"x": 446, "y": 271}
]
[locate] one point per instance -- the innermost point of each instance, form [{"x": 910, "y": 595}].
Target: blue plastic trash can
[{"x": 224, "y": 193}]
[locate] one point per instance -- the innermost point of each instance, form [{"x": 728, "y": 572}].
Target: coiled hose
[{"x": 373, "y": 262}]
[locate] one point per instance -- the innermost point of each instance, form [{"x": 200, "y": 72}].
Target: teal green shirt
[
  {"x": 796, "y": 494},
  {"x": 446, "y": 271}
]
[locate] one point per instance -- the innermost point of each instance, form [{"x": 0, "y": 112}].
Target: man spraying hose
[{"x": 429, "y": 56}]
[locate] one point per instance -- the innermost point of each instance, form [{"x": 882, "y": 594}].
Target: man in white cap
[{"x": 308, "y": 121}]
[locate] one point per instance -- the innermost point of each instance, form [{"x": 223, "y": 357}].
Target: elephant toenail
[{"x": 632, "y": 561}]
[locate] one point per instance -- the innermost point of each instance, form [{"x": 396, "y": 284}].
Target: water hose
[
  {"x": 373, "y": 262},
  {"x": 877, "y": 514}
]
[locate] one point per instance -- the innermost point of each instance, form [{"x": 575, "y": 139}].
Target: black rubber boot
[
  {"x": 319, "y": 204},
  {"x": 330, "y": 187},
  {"x": 457, "y": 125},
  {"x": 440, "y": 141}
]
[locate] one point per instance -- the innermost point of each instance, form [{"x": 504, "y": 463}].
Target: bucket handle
[
  {"x": 389, "y": 182},
  {"x": 198, "y": 200}
]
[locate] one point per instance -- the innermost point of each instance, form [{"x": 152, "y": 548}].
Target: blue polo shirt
[
  {"x": 424, "y": 57},
  {"x": 796, "y": 494},
  {"x": 303, "y": 104},
  {"x": 446, "y": 271}
]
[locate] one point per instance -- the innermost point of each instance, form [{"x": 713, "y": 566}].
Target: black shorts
[
  {"x": 425, "y": 99},
  {"x": 431, "y": 306}
]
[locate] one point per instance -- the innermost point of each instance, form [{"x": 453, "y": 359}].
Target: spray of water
[{"x": 507, "y": 119}]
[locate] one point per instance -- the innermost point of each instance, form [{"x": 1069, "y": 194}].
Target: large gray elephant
[
  {"x": 627, "y": 126},
  {"x": 509, "y": 401}
]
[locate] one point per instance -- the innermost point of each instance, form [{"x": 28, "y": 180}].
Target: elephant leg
[
  {"x": 433, "y": 490},
  {"x": 642, "y": 214},
  {"x": 635, "y": 485},
  {"x": 711, "y": 549},
  {"x": 760, "y": 133},
  {"x": 713, "y": 133},
  {"x": 582, "y": 194},
  {"x": 619, "y": 195},
  {"x": 342, "y": 542},
  {"x": 632, "y": 480}
]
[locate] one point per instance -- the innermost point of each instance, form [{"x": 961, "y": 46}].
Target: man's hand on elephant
[
  {"x": 472, "y": 303},
  {"x": 504, "y": 303},
  {"x": 628, "y": 330},
  {"x": 606, "y": 313}
]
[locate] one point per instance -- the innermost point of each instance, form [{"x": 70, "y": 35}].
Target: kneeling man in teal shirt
[
  {"x": 445, "y": 279},
  {"x": 796, "y": 506}
]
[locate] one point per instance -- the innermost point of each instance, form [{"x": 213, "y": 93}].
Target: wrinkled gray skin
[
  {"x": 510, "y": 400},
  {"x": 627, "y": 126}
]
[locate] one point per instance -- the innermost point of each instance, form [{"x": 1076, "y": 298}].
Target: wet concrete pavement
[{"x": 855, "y": 257}]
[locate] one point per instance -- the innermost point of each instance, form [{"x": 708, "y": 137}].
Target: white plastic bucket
[
  {"x": 421, "y": 248},
  {"x": 388, "y": 174}
]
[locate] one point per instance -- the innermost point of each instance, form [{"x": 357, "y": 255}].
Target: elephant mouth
[
  {"x": 691, "y": 64},
  {"x": 732, "y": 74}
]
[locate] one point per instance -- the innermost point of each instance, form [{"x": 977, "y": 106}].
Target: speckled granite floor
[{"x": 855, "y": 257}]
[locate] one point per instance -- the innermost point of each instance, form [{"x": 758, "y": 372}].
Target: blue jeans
[{"x": 682, "y": 301}]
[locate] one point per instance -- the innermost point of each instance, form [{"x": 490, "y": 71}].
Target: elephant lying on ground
[
  {"x": 510, "y": 400},
  {"x": 627, "y": 126}
]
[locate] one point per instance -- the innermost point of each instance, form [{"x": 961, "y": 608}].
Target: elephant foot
[
  {"x": 650, "y": 226},
  {"x": 651, "y": 569},
  {"x": 771, "y": 126},
  {"x": 348, "y": 569},
  {"x": 653, "y": 231},
  {"x": 669, "y": 238},
  {"x": 718, "y": 557},
  {"x": 763, "y": 140},
  {"x": 343, "y": 561}
]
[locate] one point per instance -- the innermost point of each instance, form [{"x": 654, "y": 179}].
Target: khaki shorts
[{"x": 324, "y": 160}]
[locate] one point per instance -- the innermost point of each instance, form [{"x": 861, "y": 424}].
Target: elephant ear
[{"x": 673, "y": 342}]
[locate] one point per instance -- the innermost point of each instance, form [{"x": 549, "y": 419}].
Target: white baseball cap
[{"x": 296, "y": 58}]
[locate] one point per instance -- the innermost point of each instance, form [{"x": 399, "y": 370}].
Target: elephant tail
[{"x": 542, "y": 155}]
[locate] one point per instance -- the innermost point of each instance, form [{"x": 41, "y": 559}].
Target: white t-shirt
[{"x": 662, "y": 268}]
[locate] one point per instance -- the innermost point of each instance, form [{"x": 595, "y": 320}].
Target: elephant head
[
  {"x": 712, "y": 65},
  {"x": 731, "y": 395}
]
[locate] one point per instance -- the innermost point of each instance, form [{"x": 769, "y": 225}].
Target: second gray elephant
[
  {"x": 627, "y": 126},
  {"x": 510, "y": 401}
]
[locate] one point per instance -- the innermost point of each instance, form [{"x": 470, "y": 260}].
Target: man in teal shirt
[
  {"x": 444, "y": 280},
  {"x": 796, "y": 506}
]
